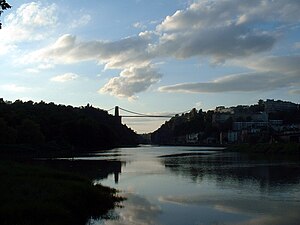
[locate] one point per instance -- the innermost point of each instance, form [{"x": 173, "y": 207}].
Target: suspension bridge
[{"x": 133, "y": 114}]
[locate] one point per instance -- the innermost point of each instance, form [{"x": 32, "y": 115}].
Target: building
[
  {"x": 232, "y": 136},
  {"x": 272, "y": 106},
  {"x": 237, "y": 126},
  {"x": 192, "y": 138}
]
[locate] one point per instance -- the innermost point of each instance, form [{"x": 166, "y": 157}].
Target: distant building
[
  {"x": 260, "y": 117},
  {"x": 237, "y": 126},
  {"x": 192, "y": 138},
  {"x": 232, "y": 136},
  {"x": 272, "y": 106},
  {"x": 220, "y": 117}
]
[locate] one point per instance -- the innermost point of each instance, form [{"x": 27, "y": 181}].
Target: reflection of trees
[
  {"x": 233, "y": 167},
  {"x": 93, "y": 169}
]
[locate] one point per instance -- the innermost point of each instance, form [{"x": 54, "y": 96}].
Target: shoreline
[{"x": 35, "y": 194}]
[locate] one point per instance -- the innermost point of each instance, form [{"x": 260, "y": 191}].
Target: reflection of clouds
[
  {"x": 292, "y": 218},
  {"x": 136, "y": 210},
  {"x": 258, "y": 211}
]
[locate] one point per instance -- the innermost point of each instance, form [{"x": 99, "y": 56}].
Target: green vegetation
[
  {"x": 50, "y": 127},
  {"x": 267, "y": 148},
  {"x": 264, "y": 122},
  {"x": 33, "y": 195},
  {"x": 195, "y": 121}
]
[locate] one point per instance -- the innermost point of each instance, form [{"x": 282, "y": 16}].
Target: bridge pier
[{"x": 117, "y": 115}]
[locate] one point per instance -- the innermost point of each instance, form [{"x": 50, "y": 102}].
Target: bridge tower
[{"x": 117, "y": 115}]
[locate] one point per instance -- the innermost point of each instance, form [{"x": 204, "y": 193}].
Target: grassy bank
[
  {"x": 31, "y": 195},
  {"x": 267, "y": 148}
]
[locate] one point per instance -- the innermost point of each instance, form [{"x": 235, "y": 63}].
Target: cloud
[
  {"x": 31, "y": 21},
  {"x": 132, "y": 81},
  {"x": 222, "y": 31},
  {"x": 220, "y": 43},
  {"x": 281, "y": 64},
  {"x": 295, "y": 92},
  {"x": 232, "y": 83},
  {"x": 136, "y": 210},
  {"x": 297, "y": 45},
  {"x": 65, "y": 77},
  {"x": 13, "y": 88},
  {"x": 214, "y": 13},
  {"x": 219, "y": 29},
  {"x": 32, "y": 70},
  {"x": 258, "y": 211},
  {"x": 139, "y": 25},
  {"x": 82, "y": 21},
  {"x": 270, "y": 73},
  {"x": 119, "y": 54},
  {"x": 6, "y": 48}
]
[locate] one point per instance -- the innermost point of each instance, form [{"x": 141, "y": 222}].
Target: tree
[
  {"x": 29, "y": 133},
  {"x": 3, "y": 6}
]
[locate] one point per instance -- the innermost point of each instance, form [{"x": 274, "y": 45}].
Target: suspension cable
[
  {"x": 147, "y": 115},
  {"x": 136, "y": 113},
  {"x": 110, "y": 109}
]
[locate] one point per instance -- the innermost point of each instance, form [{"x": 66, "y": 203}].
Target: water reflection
[
  {"x": 193, "y": 186},
  {"x": 266, "y": 191},
  {"x": 92, "y": 169},
  {"x": 235, "y": 168},
  {"x": 136, "y": 210}
]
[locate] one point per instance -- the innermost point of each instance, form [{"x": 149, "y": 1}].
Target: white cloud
[
  {"x": 132, "y": 81},
  {"x": 270, "y": 73},
  {"x": 82, "y": 21},
  {"x": 31, "y": 21},
  {"x": 45, "y": 66},
  {"x": 215, "y": 13},
  {"x": 65, "y": 77},
  {"x": 14, "y": 88},
  {"x": 221, "y": 43},
  {"x": 139, "y": 25},
  {"x": 232, "y": 83},
  {"x": 119, "y": 54},
  {"x": 6, "y": 48},
  {"x": 32, "y": 70},
  {"x": 220, "y": 30},
  {"x": 34, "y": 14},
  {"x": 217, "y": 29}
]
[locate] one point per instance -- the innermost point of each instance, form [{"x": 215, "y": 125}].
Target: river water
[{"x": 198, "y": 185}]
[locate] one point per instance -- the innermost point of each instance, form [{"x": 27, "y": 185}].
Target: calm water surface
[{"x": 198, "y": 185}]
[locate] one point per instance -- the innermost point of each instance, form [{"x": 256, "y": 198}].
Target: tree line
[
  {"x": 201, "y": 123},
  {"x": 50, "y": 126}
]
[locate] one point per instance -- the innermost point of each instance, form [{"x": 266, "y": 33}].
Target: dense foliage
[
  {"x": 204, "y": 125},
  {"x": 180, "y": 125},
  {"x": 51, "y": 126}
]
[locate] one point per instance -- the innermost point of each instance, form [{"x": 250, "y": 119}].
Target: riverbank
[
  {"x": 267, "y": 148},
  {"x": 32, "y": 195}
]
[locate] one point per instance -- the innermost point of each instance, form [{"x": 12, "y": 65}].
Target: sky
[{"x": 157, "y": 57}]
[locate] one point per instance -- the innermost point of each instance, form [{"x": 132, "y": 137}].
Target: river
[{"x": 203, "y": 186}]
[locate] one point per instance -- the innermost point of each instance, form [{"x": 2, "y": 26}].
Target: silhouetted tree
[
  {"x": 8, "y": 135},
  {"x": 3, "y": 6},
  {"x": 30, "y": 133},
  {"x": 61, "y": 127}
]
